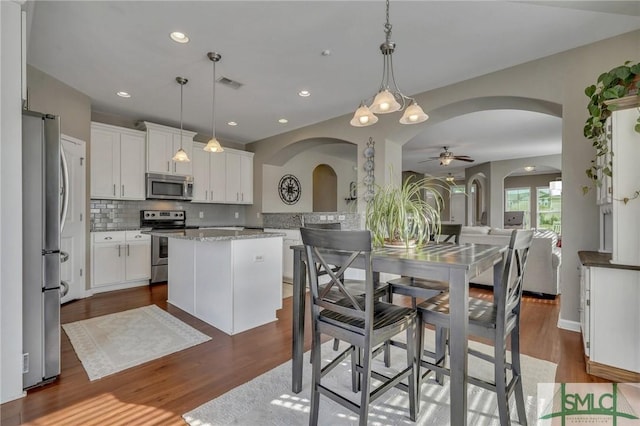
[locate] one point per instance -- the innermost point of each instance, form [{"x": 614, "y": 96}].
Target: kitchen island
[{"x": 231, "y": 279}]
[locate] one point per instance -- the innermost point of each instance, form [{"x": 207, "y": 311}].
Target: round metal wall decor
[{"x": 289, "y": 189}]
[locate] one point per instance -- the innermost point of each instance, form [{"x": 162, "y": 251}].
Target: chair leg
[
  {"x": 441, "y": 346},
  {"x": 500, "y": 367},
  {"x": 336, "y": 344},
  {"x": 365, "y": 396},
  {"x": 315, "y": 379},
  {"x": 516, "y": 370},
  {"x": 413, "y": 353},
  {"x": 356, "y": 360},
  {"x": 387, "y": 345}
]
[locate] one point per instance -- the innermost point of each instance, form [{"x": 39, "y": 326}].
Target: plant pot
[{"x": 399, "y": 244}]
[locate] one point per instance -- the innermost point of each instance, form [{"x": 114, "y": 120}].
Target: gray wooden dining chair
[
  {"x": 496, "y": 320},
  {"x": 361, "y": 320},
  {"x": 422, "y": 289}
]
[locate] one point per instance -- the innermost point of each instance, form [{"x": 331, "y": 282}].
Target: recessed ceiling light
[
  {"x": 283, "y": 121},
  {"x": 529, "y": 168},
  {"x": 304, "y": 93},
  {"x": 179, "y": 37},
  {"x": 232, "y": 123},
  {"x": 123, "y": 94}
]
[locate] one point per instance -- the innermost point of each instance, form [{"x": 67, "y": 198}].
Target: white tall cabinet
[
  {"x": 610, "y": 283},
  {"x": 117, "y": 162},
  {"x": 162, "y": 144}
]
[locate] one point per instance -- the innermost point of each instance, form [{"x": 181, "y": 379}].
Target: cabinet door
[
  {"x": 200, "y": 160},
  {"x": 105, "y": 163},
  {"x": 159, "y": 147},
  {"x": 182, "y": 168},
  {"x": 108, "y": 264},
  {"x": 233, "y": 174},
  {"x": 217, "y": 176},
  {"x": 246, "y": 190},
  {"x": 138, "y": 260},
  {"x": 132, "y": 167}
]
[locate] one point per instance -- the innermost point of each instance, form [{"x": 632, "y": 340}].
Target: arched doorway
[{"x": 325, "y": 189}]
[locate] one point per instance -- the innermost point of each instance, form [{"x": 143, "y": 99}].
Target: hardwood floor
[{"x": 160, "y": 391}]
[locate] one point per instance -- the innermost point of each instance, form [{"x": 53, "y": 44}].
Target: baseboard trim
[{"x": 569, "y": 325}]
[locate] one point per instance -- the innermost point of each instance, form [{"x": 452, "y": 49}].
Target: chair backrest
[
  {"x": 321, "y": 244},
  {"x": 449, "y": 232},
  {"x": 508, "y": 295}
]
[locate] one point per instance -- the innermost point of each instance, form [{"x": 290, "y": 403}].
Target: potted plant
[
  {"x": 406, "y": 216},
  {"x": 617, "y": 83}
]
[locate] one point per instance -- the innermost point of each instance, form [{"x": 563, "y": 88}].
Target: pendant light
[
  {"x": 181, "y": 156},
  {"x": 389, "y": 97},
  {"x": 213, "y": 145}
]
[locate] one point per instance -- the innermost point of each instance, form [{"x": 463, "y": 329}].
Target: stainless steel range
[{"x": 165, "y": 221}]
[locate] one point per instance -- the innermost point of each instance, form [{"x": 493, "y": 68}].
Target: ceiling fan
[{"x": 446, "y": 157}]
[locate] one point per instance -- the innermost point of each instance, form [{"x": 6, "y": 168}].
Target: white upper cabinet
[
  {"x": 208, "y": 175},
  {"x": 239, "y": 177},
  {"x": 162, "y": 144},
  {"x": 117, "y": 162}
]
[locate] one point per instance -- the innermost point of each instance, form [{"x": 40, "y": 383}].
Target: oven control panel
[{"x": 163, "y": 215}]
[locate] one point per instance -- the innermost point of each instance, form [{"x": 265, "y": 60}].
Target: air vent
[{"x": 230, "y": 83}]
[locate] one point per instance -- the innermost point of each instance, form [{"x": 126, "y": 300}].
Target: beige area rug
[
  {"x": 115, "y": 342},
  {"x": 268, "y": 400}
]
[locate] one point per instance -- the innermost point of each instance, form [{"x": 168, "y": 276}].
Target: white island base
[{"x": 234, "y": 285}]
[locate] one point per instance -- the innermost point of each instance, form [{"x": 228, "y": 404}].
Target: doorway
[{"x": 325, "y": 189}]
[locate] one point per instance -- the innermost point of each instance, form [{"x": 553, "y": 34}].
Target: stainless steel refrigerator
[{"x": 43, "y": 194}]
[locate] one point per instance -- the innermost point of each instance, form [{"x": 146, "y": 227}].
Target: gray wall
[{"x": 553, "y": 85}]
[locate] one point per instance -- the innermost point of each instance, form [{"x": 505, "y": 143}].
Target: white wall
[
  {"x": 10, "y": 203},
  {"x": 302, "y": 166}
]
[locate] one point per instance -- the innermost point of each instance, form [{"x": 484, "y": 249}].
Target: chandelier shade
[
  {"x": 213, "y": 145},
  {"x": 363, "y": 117},
  {"x": 181, "y": 155},
  {"x": 389, "y": 98}
]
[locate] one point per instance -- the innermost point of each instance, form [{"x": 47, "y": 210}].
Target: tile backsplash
[{"x": 124, "y": 214}]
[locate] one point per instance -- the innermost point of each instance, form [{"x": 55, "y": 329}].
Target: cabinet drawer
[
  {"x": 108, "y": 237},
  {"x": 135, "y": 236}
]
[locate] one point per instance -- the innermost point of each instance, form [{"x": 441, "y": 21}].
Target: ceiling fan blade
[
  {"x": 469, "y": 160},
  {"x": 430, "y": 159}
]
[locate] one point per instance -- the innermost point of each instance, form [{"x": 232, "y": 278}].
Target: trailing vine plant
[{"x": 617, "y": 83}]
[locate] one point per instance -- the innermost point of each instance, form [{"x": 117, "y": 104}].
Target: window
[
  {"x": 519, "y": 199},
  {"x": 549, "y": 210}
]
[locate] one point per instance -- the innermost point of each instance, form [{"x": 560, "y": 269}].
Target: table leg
[
  {"x": 459, "y": 308},
  {"x": 299, "y": 287}
]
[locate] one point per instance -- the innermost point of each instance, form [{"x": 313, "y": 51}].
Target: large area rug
[
  {"x": 268, "y": 400},
  {"x": 115, "y": 342}
]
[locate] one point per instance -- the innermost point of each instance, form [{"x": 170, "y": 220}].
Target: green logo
[{"x": 566, "y": 404}]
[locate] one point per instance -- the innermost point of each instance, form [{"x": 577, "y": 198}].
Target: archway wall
[
  {"x": 558, "y": 80},
  {"x": 302, "y": 167}
]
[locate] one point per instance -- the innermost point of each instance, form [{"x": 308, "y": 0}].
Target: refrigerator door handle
[
  {"x": 64, "y": 189},
  {"x": 64, "y": 288}
]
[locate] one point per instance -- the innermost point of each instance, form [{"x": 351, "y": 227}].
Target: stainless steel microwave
[{"x": 169, "y": 187}]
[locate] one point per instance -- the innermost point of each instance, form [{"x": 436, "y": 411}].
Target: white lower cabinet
[
  {"x": 119, "y": 259},
  {"x": 292, "y": 238},
  {"x": 610, "y": 320}
]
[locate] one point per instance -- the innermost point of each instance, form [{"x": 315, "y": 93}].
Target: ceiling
[{"x": 275, "y": 50}]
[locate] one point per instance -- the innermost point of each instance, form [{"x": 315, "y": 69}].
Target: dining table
[{"x": 451, "y": 263}]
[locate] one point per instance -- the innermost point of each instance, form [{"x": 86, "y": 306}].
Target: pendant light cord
[
  {"x": 181, "y": 90},
  {"x": 213, "y": 104}
]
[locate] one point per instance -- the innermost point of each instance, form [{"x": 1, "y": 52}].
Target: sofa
[{"x": 542, "y": 274}]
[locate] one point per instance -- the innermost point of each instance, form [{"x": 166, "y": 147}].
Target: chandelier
[{"x": 389, "y": 97}]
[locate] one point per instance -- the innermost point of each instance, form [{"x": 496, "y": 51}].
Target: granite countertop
[
  {"x": 120, "y": 228},
  {"x": 213, "y": 235},
  {"x": 602, "y": 260}
]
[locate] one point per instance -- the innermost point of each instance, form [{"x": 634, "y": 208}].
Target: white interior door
[
  {"x": 73, "y": 237},
  {"x": 457, "y": 208}
]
